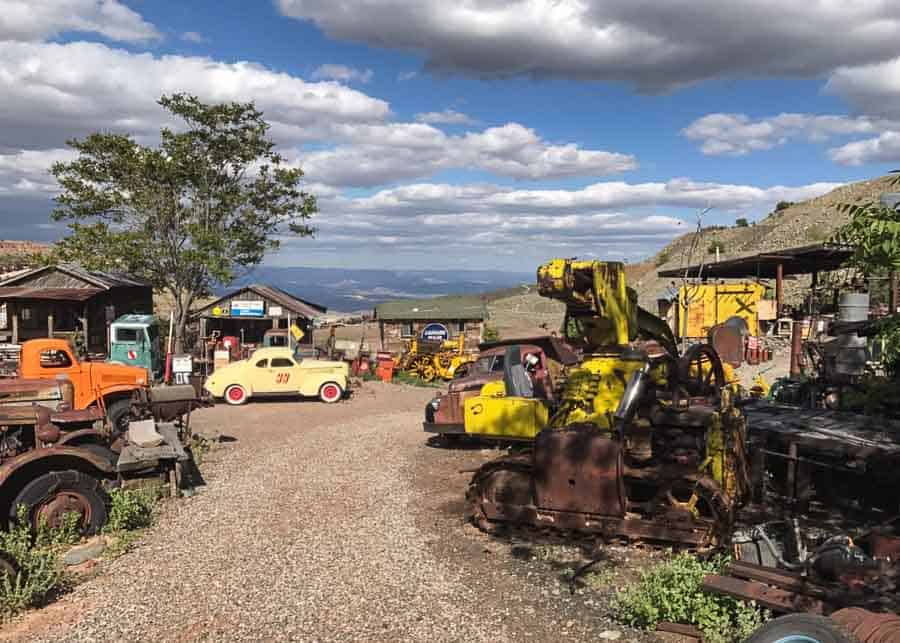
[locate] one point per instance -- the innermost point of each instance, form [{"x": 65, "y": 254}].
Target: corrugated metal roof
[
  {"x": 286, "y": 300},
  {"x": 52, "y": 294},
  {"x": 102, "y": 280},
  {"x": 449, "y": 308}
]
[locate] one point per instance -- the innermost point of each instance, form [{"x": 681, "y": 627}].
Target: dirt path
[{"x": 319, "y": 523}]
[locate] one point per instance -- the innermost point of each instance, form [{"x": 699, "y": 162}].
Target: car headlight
[{"x": 435, "y": 403}]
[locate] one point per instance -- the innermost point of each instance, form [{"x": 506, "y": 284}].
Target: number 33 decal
[{"x": 282, "y": 378}]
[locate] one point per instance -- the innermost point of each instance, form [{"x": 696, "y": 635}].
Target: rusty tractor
[{"x": 644, "y": 444}]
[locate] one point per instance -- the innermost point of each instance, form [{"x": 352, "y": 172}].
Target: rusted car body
[
  {"x": 445, "y": 414},
  {"x": 56, "y": 460}
]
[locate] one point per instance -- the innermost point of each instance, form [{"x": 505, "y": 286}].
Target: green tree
[
  {"x": 186, "y": 214},
  {"x": 874, "y": 232},
  {"x": 741, "y": 222}
]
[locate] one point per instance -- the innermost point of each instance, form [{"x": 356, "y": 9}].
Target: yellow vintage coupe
[{"x": 278, "y": 371}]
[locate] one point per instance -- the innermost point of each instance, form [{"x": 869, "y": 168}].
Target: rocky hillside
[
  {"x": 797, "y": 224},
  {"x": 791, "y": 225}
]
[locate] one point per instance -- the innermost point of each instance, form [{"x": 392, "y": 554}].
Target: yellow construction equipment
[
  {"x": 704, "y": 305},
  {"x": 644, "y": 444},
  {"x": 430, "y": 360}
]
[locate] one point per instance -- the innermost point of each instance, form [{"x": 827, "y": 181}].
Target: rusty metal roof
[
  {"x": 97, "y": 279},
  {"x": 794, "y": 261},
  {"x": 50, "y": 294}
]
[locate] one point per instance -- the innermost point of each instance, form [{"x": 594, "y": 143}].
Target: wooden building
[
  {"x": 65, "y": 300},
  {"x": 438, "y": 318},
  {"x": 247, "y": 313}
]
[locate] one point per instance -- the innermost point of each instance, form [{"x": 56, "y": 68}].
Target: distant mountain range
[{"x": 351, "y": 290}]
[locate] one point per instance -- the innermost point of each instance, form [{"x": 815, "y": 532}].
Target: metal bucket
[{"x": 853, "y": 306}]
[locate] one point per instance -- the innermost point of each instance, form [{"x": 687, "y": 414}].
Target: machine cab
[{"x": 135, "y": 341}]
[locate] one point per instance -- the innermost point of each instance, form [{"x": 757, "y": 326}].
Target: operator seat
[{"x": 515, "y": 377}]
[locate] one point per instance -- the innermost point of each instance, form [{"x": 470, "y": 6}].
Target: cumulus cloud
[
  {"x": 884, "y": 148},
  {"x": 872, "y": 89},
  {"x": 738, "y": 134},
  {"x": 29, "y": 20},
  {"x": 403, "y": 151},
  {"x": 445, "y": 117},
  {"x": 25, "y": 173},
  {"x": 342, "y": 73},
  {"x": 656, "y": 45},
  {"x": 55, "y": 91}
]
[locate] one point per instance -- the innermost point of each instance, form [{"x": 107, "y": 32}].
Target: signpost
[{"x": 436, "y": 332}]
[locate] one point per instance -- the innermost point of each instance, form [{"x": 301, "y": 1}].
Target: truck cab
[
  {"x": 134, "y": 341},
  {"x": 95, "y": 383}
]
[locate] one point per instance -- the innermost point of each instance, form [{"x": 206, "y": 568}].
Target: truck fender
[
  {"x": 82, "y": 436},
  {"x": 19, "y": 471},
  {"x": 120, "y": 390}
]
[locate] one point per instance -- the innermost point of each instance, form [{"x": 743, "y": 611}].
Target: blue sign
[
  {"x": 436, "y": 332},
  {"x": 247, "y": 308}
]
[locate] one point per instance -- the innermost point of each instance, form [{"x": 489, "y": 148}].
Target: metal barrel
[{"x": 853, "y": 306}]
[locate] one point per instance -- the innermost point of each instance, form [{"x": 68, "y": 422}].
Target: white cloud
[
  {"x": 401, "y": 151},
  {"x": 872, "y": 89},
  {"x": 39, "y": 19},
  {"x": 738, "y": 134},
  {"x": 445, "y": 117},
  {"x": 884, "y": 148},
  {"x": 342, "y": 73},
  {"x": 26, "y": 173},
  {"x": 195, "y": 37},
  {"x": 653, "y": 44},
  {"x": 54, "y": 91}
]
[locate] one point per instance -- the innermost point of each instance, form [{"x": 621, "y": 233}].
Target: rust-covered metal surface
[
  {"x": 869, "y": 627},
  {"x": 579, "y": 471}
]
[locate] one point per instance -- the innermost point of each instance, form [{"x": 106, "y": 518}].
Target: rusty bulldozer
[
  {"x": 645, "y": 444},
  {"x": 431, "y": 360}
]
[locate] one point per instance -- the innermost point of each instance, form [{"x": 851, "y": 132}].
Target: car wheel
[
  {"x": 800, "y": 628},
  {"x": 48, "y": 498},
  {"x": 330, "y": 392},
  {"x": 236, "y": 395}
]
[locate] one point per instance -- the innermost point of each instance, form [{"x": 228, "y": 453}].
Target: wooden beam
[{"x": 779, "y": 289}]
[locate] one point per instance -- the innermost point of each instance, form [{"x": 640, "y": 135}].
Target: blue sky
[{"x": 479, "y": 133}]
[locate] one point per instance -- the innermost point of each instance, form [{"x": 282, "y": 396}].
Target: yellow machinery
[
  {"x": 702, "y": 306},
  {"x": 644, "y": 444},
  {"x": 431, "y": 360}
]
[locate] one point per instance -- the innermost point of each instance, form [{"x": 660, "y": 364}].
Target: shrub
[
  {"x": 661, "y": 258},
  {"x": 39, "y": 570},
  {"x": 131, "y": 508},
  {"x": 715, "y": 245},
  {"x": 742, "y": 223},
  {"x": 671, "y": 591},
  {"x": 783, "y": 205},
  {"x": 490, "y": 334}
]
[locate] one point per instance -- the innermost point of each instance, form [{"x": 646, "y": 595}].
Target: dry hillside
[{"x": 799, "y": 224}]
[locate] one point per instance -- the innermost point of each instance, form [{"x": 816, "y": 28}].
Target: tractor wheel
[
  {"x": 48, "y": 498},
  {"x": 800, "y": 628},
  {"x": 330, "y": 392},
  {"x": 7, "y": 568},
  {"x": 428, "y": 373},
  {"x": 236, "y": 395},
  {"x": 119, "y": 414}
]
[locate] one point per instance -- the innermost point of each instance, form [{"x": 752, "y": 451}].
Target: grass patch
[
  {"x": 671, "y": 591},
  {"x": 131, "y": 509},
  {"x": 402, "y": 377}
]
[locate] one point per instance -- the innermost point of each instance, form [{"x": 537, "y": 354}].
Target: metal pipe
[{"x": 796, "y": 347}]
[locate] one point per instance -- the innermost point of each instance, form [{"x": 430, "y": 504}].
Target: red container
[{"x": 753, "y": 350}]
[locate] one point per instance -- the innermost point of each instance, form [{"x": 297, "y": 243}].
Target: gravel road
[{"x": 320, "y": 523}]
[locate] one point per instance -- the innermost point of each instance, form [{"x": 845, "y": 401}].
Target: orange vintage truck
[{"x": 96, "y": 383}]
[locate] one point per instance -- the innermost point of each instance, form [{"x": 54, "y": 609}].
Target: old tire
[
  {"x": 50, "y": 496},
  {"x": 800, "y": 628},
  {"x": 236, "y": 395},
  {"x": 330, "y": 392},
  {"x": 119, "y": 414}
]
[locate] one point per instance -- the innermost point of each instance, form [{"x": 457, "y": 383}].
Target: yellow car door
[{"x": 284, "y": 375}]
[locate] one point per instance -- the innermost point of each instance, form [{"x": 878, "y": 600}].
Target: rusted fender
[
  {"x": 95, "y": 460},
  {"x": 868, "y": 627}
]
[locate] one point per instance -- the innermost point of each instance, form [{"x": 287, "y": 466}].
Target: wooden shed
[
  {"x": 248, "y": 312},
  {"x": 438, "y": 318},
  {"x": 65, "y": 300}
]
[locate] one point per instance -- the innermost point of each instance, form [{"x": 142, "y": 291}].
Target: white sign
[
  {"x": 182, "y": 364},
  {"x": 250, "y": 308},
  {"x": 275, "y": 311}
]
